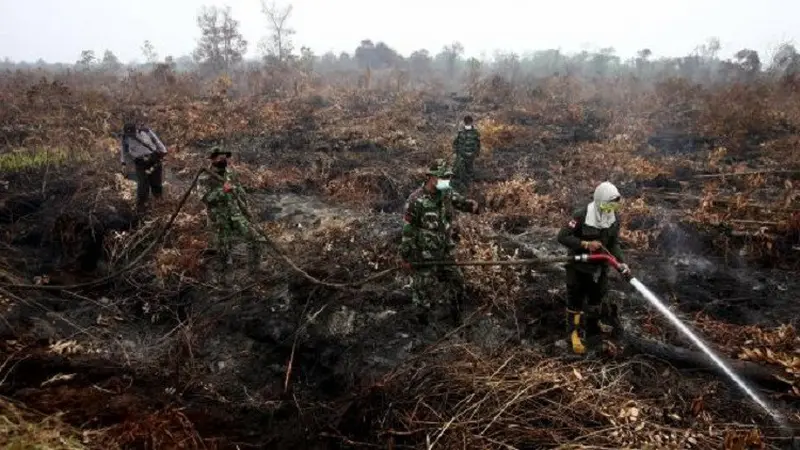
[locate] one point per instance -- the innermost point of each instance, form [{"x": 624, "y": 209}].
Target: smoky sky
[{"x": 58, "y": 30}]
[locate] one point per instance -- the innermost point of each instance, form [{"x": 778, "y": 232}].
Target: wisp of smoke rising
[{"x": 654, "y": 300}]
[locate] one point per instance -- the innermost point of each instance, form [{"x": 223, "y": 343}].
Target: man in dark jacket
[
  {"x": 141, "y": 146},
  {"x": 593, "y": 228}
]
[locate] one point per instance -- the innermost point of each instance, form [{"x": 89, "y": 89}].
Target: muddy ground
[{"x": 160, "y": 361}]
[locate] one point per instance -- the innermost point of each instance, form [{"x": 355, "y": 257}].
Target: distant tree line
[{"x": 221, "y": 47}]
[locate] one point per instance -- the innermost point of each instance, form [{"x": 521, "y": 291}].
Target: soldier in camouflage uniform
[
  {"x": 466, "y": 146},
  {"x": 228, "y": 213},
  {"x": 428, "y": 236}
]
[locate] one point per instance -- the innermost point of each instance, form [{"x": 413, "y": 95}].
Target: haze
[{"x": 57, "y": 31}]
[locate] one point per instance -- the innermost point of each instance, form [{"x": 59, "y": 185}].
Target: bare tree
[
  {"x": 87, "y": 59},
  {"x": 149, "y": 52},
  {"x": 710, "y": 49},
  {"x": 278, "y": 44},
  {"x": 786, "y": 60},
  {"x": 306, "y": 60},
  {"x": 221, "y": 44},
  {"x": 474, "y": 72},
  {"x": 450, "y": 54}
]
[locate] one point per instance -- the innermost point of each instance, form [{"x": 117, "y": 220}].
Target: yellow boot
[{"x": 574, "y": 320}]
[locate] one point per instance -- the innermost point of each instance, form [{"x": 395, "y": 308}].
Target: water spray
[
  {"x": 683, "y": 328},
  {"x": 607, "y": 258}
]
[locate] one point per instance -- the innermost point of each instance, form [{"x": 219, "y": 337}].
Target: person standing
[
  {"x": 428, "y": 236},
  {"x": 228, "y": 213},
  {"x": 144, "y": 149},
  {"x": 466, "y": 147},
  {"x": 593, "y": 228}
]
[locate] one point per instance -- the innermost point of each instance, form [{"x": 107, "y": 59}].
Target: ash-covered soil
[{"x": 281, "y": 362}]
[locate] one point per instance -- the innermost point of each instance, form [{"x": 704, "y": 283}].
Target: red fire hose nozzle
[{"x": 601, "y": 258}]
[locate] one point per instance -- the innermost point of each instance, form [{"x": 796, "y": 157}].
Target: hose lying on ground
[
  {"x": 130, "y": 265},
  {"x": 278, "y": 251}
]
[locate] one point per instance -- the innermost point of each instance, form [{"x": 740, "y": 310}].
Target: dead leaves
[
  {"x": 744, "y": 440},
  {"x": 519, "y": 196},
  {"x": 779, "y": 346},
  {"x": 66, "y": 347}
]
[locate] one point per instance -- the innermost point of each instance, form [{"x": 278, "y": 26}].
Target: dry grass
[
  {"x": 25, "y": 430},
  {"x": 456, "y": 396}
]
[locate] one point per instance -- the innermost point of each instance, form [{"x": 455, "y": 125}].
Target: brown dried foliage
[{"x": 469, "y": 399}]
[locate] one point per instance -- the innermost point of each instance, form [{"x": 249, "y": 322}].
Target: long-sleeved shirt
[
  {"x": 467, "y": 142},
  {"x": 576, "y": 231},
  {"x": 427, "y": 224},
  {"x": 223, "y": 205},
  {"x": 143, "y": 143}
]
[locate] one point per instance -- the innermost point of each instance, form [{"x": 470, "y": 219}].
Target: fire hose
[
  {"x": 596, "y": 257},
  {"x": 593, "y": 258}
]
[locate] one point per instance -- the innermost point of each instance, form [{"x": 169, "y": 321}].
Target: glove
[
  {"x": 592, "y": 246},
  {"x": 624, "y": 269},
  {"x": 227, "y": 188}
]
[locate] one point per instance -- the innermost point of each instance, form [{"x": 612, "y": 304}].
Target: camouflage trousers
[
  {"x": 438, "y": 291},
  {"x": 230, "y": 231},
  {"x": 464, "y": 170}
]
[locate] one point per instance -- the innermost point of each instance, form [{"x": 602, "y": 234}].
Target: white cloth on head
[{"x": 604, "y": 193}]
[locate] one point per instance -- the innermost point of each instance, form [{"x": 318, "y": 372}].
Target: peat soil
[{"x": 107, "y": 357}]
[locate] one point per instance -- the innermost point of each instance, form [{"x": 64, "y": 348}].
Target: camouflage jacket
[
  {"x": 223, "y": 204},
  {"x": 427, "y": 224},
  {"x": 467, "y": 142}
]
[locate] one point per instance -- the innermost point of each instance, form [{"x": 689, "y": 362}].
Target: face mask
[
  {"x": 443, "y": 185},
  {"x": 221, "y": 164},
  {"x": 609, "y": 207}
]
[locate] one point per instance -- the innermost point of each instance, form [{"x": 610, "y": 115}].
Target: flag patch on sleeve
[{"x": 572, "y": 223}]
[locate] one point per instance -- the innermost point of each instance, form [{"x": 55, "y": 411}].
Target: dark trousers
[
  {"x": 588, "y": 295},
  {"x": 148, "y": 179}
]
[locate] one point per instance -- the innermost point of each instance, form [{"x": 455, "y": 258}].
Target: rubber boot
[{"x": 575, "y": 330}]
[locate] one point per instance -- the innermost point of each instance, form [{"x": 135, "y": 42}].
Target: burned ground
[{"x": 159, "y": 357}]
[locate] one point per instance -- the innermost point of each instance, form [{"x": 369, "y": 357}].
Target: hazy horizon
[{"x": 57, "y": 31}]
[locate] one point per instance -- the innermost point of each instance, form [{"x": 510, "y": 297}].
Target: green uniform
[
  {"x": 228, "y": 218},
  {"x": 428, "y": 236},
  {"x": 587, "y": 283},
  {"x": 466, "y": 146}
]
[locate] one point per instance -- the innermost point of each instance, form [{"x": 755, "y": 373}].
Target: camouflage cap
[
  {"x": 217, "y": 150},
  {"x": 440, "y": 168}
]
